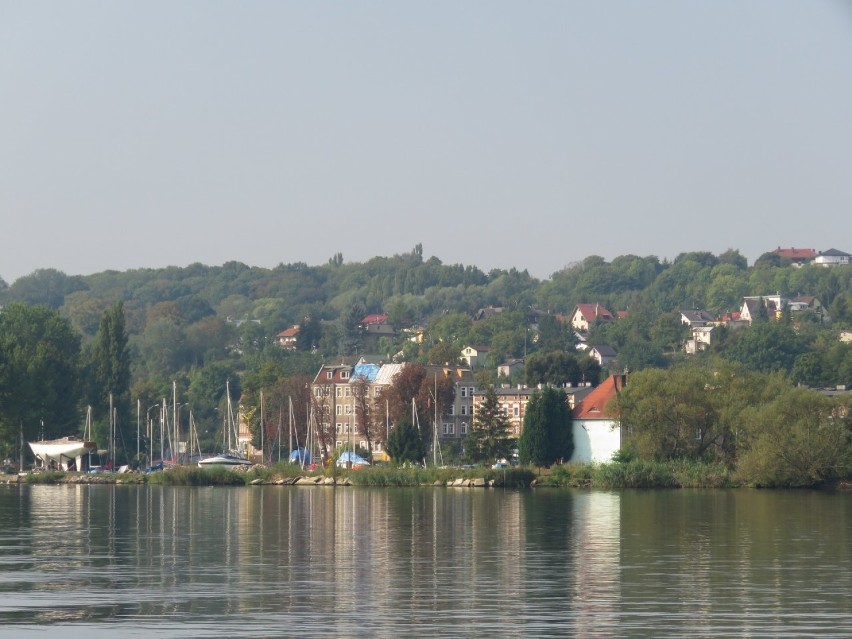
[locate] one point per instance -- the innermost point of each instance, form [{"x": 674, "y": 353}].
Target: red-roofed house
[
  {"x": 597, "y": 433},
  {"x": 797, "y": 256},
  {"x": 287, "y": 338},
  {"x": 585, "y": 315},
  {"x": 377, "y": 324}
]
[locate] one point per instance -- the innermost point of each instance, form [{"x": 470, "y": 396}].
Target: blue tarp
[
  {"x": 300, "y": 456},
  {"x": 348, "y": 456}
]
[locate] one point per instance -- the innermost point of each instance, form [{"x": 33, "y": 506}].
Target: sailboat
[{"x": 230, "y": 458}]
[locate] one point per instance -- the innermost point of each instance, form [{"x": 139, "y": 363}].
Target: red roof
[
  {"x": 375, "y": 319},
  {"x": 293, "y": 331},
  {"x": 796, "y": 253},
  {"x": 593, "y": 405},
  {"x": 590, "y": 312}
]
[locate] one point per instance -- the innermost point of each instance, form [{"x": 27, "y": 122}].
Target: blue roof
[{"x": 365, "y": 371}]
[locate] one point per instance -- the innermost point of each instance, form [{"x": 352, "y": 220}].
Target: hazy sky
[{"x": 527, "y": 134}]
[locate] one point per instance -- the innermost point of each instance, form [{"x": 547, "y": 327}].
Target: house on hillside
[
  {"x": 585, "y": 315},
  {"x": 702, "y": 337},
  {"x": 798, "y": 256},
  {"x": 474, "y": 355},
  {"x": 774, "y": 304},
  {"x": 695, "y": 317},
  {"x": 487, "y": 313},
  {"x": 603, "y": 354},
  {"x": 376, "y": 324},
  {"x": 832, "y": 257},
  {"x": 510, "y": 367},
  {"x": 288, "y": 337},
  {"x": 597, "y": 432}
]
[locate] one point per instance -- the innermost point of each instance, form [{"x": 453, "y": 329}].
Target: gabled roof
[
  {"x": 593, "y": 406},
  {"x": 485, "y": 313},
  {"x": 694, "y": 316},
  {"x": 832, "y": 252},
  {"x": 375, "y": 319},
  {"x": 387, "y": 372},
  {"x": 796, "y": 253},
  {"x": 591, "y": 312},
  {"x": 604, "y": 350},
  {"x": 293, "y": 331}
]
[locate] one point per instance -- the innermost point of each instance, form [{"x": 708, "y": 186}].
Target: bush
[
  {"x": 193, "y": 476},
  {"x": 634, "y": 474},
  {"x": 47, "y": 477},
  {"x": 567, "y": 476}
]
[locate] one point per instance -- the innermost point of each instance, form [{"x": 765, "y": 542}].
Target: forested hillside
[{"x": 199, "y": 325}]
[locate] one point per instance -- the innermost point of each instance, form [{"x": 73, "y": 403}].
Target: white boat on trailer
[{"x": 63, "y": 453}]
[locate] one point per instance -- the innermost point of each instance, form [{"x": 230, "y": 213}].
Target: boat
[
  {"x": 65, "y": 453},
  {"x": 224, "y": 459}
]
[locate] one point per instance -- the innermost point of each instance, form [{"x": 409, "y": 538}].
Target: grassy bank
[{"x": 616, "y": 475}]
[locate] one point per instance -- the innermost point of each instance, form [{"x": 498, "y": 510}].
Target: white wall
[{"x": 595, "y": 441}]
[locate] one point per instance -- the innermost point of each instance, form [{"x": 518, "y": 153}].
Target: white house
[
  {"x": 832, "y": 257},
  {"x": 597, "y": 434}
]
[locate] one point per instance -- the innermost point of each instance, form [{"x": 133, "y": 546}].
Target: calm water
[{"x": 129, "y": 561}]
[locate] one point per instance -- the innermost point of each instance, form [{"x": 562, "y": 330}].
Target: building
[
  {"x": 798, "y": 256},
  {"x": 832, "y": 257},
  {"x": 585, "y": 315},
  {"x": 288, "y": 337},
  {"x": 474, "y": 355},
  {"x": 597, "y": 432}
]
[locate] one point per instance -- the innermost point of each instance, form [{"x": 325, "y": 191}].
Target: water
[{"x": 130, "y": 561}]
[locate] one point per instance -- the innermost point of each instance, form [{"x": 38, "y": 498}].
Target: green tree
[
  {"x": 109, "y": 376},
  {"x": 797, "y": 439},
  {"x": 39, "y": 375},
  {"x": 547, "y": 436},
  {"x": 405, "y": 443},
  {"x": 488, "y": 438}
]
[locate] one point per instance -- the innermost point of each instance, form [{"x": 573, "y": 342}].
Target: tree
[
  {"x": 797, "y": 439},
  {"x": 488, "y": 438},
  {"x": 405, "y": 443},
  {"x": 554, "y": 335},
  {"x": 547, "y": 436},
  {"x": 110, "y": 373},
  {"x": 39, "y": 375}
]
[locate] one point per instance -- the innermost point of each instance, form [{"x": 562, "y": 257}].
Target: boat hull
[
  {"x": 61, "y": 453},
  {"x": 224, "y": 460}
]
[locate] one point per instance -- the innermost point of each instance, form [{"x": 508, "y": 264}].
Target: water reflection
[{"x": 325, "y": 562}]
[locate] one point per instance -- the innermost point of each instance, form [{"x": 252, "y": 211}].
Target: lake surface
[{"x": 142, "y": 561}]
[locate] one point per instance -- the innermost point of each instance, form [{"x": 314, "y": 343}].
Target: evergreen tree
[
  {"x": 488, "y": 438},
  {"x": 110, "y": 373},
  {"x": 405, "y": 444},
  {"x": 547, "y": 436}
]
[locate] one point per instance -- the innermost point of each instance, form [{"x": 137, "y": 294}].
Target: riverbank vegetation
[{"x": 114, "y": 345}]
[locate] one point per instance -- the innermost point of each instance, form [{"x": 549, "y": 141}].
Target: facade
[
  {"x": 585, "y": 315},
  {"x": 474, "y": 355},
  {"x": 597, "y": 433},
  {"x": 288, "y": 337},
  {"x": 602, "y": 354},
  {"x": 510, "y": 367},
  {"x": 832, "y": 257},
  {"x": 701, "y": 339}
]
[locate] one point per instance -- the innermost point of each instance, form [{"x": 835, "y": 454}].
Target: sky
[{"x": 499, "y": 134}]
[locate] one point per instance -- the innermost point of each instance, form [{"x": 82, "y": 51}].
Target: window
[
  {"x": 516, "y": 410},
  {"x": 376, "y": 391},
  {"x": 339, "y": 428},
  {"x": 463, "y": 428},
  {"x": 338, "y": 410},
  {"x": 363, "y": 444},
  {"x": 344, "y": 374},
  {"x": 463, "y": 391},
  {"x": 318, "y": 391},
  {"x": 464, "y": 410},
  {"x": 338, "y": 392},
  {"x": 345, "y": 429},
  {"x": 329, "y": 375},
  {"x": 348, "y": 392},
  {"x": 449, "y": 429},
  {"x": 348, "y": 409},
  {"x": 338, "y": 444},
  {"x": 452, "y": 409}
]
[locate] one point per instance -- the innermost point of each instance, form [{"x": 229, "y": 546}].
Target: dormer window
[{"x": 344, "y": 374}]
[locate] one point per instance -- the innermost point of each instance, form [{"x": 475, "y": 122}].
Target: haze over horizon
[{"x": 496, "y": 134}]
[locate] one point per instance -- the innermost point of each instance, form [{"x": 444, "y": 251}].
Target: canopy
[
  {"x": 350, "y": 457},
  {"x": 300, "y": 456}
]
